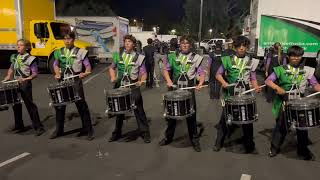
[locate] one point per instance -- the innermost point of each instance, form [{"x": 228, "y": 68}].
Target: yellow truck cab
[{"x": 34, "y": 20}]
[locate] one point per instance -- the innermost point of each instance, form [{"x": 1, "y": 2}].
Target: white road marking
[
  {"x": 94, "y": 76},
  {"x": 14, "y": 159},
  {"x": 245, "y": 177}
]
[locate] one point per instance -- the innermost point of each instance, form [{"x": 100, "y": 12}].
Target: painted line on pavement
[
  {"x": 94, "y": 76},
  {"x": 245, "y": 177},
  {"x": 14, "y": 159}
]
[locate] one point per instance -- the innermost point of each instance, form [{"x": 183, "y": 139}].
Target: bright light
[
  {"x": 173, "y": 31},
  {"x": 134, "y": 20},
  {"x": 210, "y": 30},
  {"x": 154, "y": 29}
]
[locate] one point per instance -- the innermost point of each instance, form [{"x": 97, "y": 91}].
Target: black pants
[
  {"x": 139, "y": 113},
  {"x": 83, "y": 110},
  {"x": 224, "y": 130},
  {"x": 215, "y": 89},
  {"x": 191, "y": 123},
  {"x": 26, "y": 94},
  {"x": 150, "y": 73},
  {"x": 280, "y": 132}
]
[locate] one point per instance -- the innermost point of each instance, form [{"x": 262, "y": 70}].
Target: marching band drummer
[
  {"x": 234, "y": 69},
  {"x": 184, "y": 69},
  {"x": 129, "y": 67},
  {"x": 69, "y": 61},
  {"x": 24, "y": 68},
  {"x": 286, "y": 77}
]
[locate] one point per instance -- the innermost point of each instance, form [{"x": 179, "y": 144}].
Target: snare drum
[
  {"x": 119, "y": 101},
  {"x": 9, "y": 94},
  {"x": 241, "y": 109},
  {"x": 63, "y": 93},
  {"x": 178, "y": 104},
  {"x": 303, "y": 113}
]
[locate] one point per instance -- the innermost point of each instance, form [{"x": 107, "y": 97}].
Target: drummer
[
  {"x": 69, "y": 61},
  {"x": 286, "y": 81},
  {"x": 127, "y": 68},
  {"x": 185, "y": 67},
  {"x": 24, "y": 68},
  {"x": 234, "y": 71}
]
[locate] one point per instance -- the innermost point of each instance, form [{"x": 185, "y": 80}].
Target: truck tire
[{"x": 50, "y": 65}]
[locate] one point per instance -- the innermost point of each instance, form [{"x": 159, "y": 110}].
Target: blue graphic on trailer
[{"x": 101, "y": 31}]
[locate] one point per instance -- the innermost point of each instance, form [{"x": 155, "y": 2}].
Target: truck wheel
[{"x": 50, "y": 65}]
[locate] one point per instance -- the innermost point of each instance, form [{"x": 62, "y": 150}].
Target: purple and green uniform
[{"x": 23, "y": 65}]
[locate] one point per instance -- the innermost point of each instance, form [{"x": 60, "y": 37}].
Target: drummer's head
[
  {"x": 186, "y": 43},
  {"x": 23, "y": 46},
  {"x": 295, "y": 54},
  {"x": 69, "y": 39},
  {"x": 129, "y": 43},
  {"x": 241, "y": 44}
]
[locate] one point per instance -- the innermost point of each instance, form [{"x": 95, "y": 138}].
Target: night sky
[{"x": 151, "y": 11}]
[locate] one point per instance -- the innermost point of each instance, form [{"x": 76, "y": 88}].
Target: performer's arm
[{"x": 270, "y": 82}]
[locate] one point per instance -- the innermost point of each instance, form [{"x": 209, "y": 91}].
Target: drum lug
[
  {"x": 164, "y": 114},
  {"x": 50, "y": 104},
  {"x": 229, "y": 122},
  {"x": 107, "y": 111}
]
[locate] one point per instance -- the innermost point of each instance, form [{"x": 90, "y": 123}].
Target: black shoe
[
  {"x": 251, "y": 150},
  {"x": 55, "y": 135},
  {"x": 39, "y": 131},
  {"x": 146, "y": 137},
  {"x": 90, "y": 136},
  {"x": 273, "y": 153},
  {"x": 115, "y": 136},
  {"x": 82, "y": 133},
  {"x": 164, "y": 142},
  {"x": 307, "y": 156},
  {"x": 216, "y": 148},
  {"x": 20, "y": 130},
  {"x": 196, "y": 145},
  {"x": 14, "y": 128}
]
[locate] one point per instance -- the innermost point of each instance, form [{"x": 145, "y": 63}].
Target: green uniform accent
[
  {"x": 21, "y": 64},
  {"x": 124, "y": 63},
  {"x": 178, "y": 65},
  {"x": 234, "y": 70},
  {"x": 66, "y": 59},
  {"x": 285, "y": 81}
]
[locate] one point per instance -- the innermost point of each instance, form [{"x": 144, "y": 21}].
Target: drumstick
[
  {"x": 245, "y": 92},
  {"x": 69, "y": 77},
  {"x": 314, "y": 94},
  {"x": 132, "y": 84},
  {"x": 187, "y": 88},
  {"x": 230, "y": 85},
  {"x": 7, "y": 82}
]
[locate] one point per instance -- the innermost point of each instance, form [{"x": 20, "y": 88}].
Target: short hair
[
  {"x": 131, "y": 38},
  {"x": 71, "y": 35},
  {"x": 149, "y": 41},
  {"x": 186, "y": 38},
  {"x": 26, "y": 43},
  {"x": 174, "y": 43},
  {"x": 241, "y": 41},
  {"x": 295, "y": 51}
]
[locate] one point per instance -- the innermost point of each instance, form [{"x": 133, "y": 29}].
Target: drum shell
[
  {"x": 241, "y": 110},
  {"x": 178, "y": 105},
  {"x": 119, "y": 101},
  {"x": 63, "y": 93},
  {"x": 9, "y": 94},
  {"x": 303, "y": 114}
]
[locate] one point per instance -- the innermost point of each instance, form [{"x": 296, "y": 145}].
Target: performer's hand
[
  {"x": 199, "y": 87},
  {"x": 21, "y": 79},
  {"x": 82, "y": 75},
  {"x": 113, "y": 80},
  {"x": 258, "y": 89},
  {"x": 266, "y": 74},
  {"x": 7, "y": 78},
  {"x": 225, "y": 85},
  {"x": 169, "y": 83},
  {"x": 139, "y": 83},
  {"x": 57, "y": 76},
  {"x": 280, "y": 91}
]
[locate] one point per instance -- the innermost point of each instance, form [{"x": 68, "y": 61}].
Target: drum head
[
  {"x": 119, "y": 92},
  {"x": 178, "y": 95},
  {"x": 241, "y": 100},
  {"x": 303, "y": 104}
]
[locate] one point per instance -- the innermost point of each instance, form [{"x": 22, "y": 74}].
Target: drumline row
[{"x": 301, "y": 113}]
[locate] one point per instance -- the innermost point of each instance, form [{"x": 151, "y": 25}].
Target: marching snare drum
[
  {"x": 303, "y": 113},
  {"x": 178, "y": 104},
  {"x": 9, "y": 94},
  {"x": 119, "y": 101},
  {"x": 63, "y": 93},
  {"x": 241, "y": 109}
]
